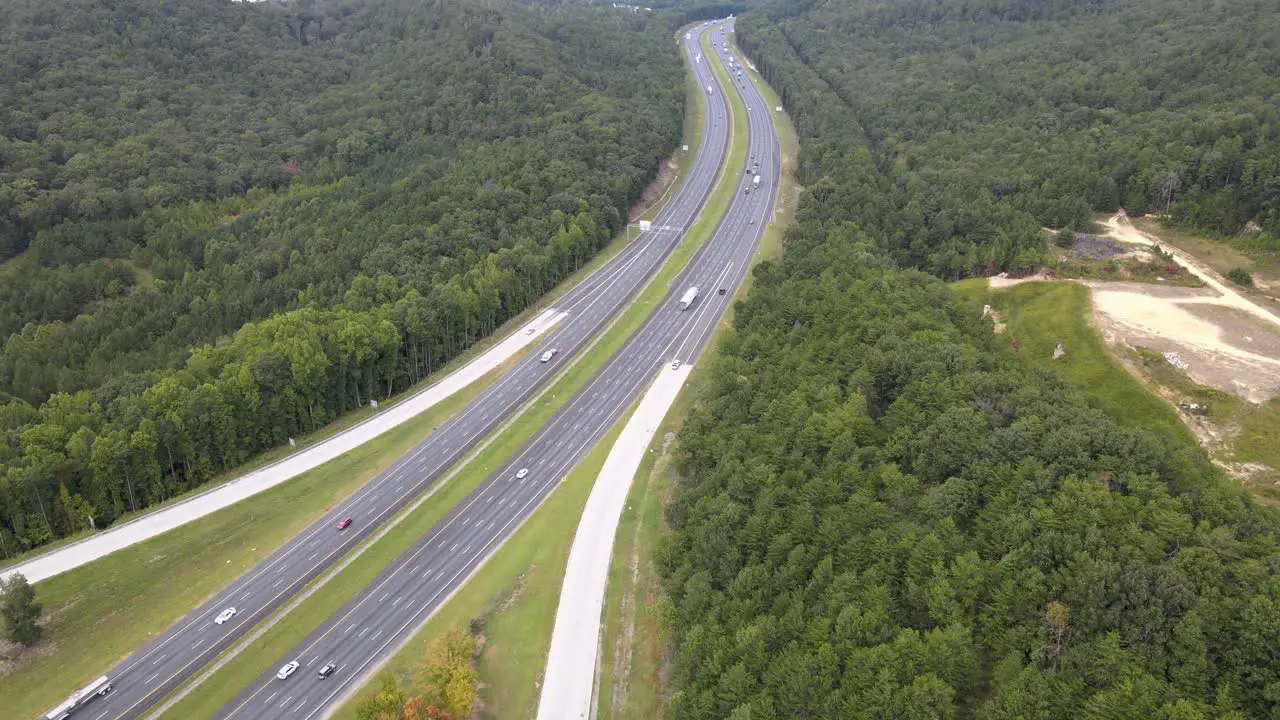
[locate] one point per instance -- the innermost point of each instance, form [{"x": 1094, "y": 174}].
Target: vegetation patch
[{"x": 114, "y": 604}]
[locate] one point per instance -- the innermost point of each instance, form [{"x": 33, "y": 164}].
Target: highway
[
  {"x": 144, "y": 678},
  {"x": 383, "y": 615}
]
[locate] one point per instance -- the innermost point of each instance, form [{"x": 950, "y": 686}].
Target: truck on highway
[
  {"x": 689, "y": 296},
  {"x": 97, "y": 688},
  {"x": 708, "y": 89},
  {"x": 756, "y": 182}
]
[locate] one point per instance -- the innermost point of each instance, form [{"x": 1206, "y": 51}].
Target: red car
[{"x": 344, "y": 524}]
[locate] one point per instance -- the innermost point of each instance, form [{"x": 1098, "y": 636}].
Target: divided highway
[
  {"x": 176, "y": 655},
  {"x": 356, "y": 639}
]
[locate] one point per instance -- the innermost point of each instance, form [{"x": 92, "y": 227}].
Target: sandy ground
[
  {"x": 150, "y": 525},
  {"x": 1228, "y": 341},
  {"x": 568, "y": 687}
]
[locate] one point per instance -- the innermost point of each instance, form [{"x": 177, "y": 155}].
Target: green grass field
[
  {"x": 1041, "y": 314},
  {"x": 116, "y": 603}
]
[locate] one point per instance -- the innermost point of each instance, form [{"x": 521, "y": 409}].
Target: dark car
[
  {"x": 344, "y": 523},
  {"x": 327, "y": 670},
  {"x": 721, "y": 291}
]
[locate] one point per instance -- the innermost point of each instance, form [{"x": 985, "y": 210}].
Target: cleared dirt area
[{"x": 1219, "y": 337}]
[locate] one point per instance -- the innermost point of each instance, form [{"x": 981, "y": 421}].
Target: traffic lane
[{"x": 202, "y": 622}]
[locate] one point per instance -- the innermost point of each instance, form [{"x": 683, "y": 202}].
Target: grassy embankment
[
  {"x": 634, "y": 644},
  {"x": 116, "y": 603},
  {"x": 514, "y": 598},
  {"x": 1039, "y": 314},
  {"x": 498, "y": 572}
]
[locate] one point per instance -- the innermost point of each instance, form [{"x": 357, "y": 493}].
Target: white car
[
  {"x": 287, "y": 670},
  {"x": 675, "y": 364},
  {"x": 523, "y": 471},
  {"x": 224, "y": 616},
  {"x": 546, "y": 356}
]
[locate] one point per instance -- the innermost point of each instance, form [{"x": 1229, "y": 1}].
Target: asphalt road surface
[
  {"x": 177, "y": 654},
  {"x": 384, "y": 614}
]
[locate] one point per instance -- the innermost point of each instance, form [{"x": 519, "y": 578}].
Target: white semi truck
[
  {"x": 756, "y": 182},
  {"x": 97, "y": 688},
  {"x": 689, "y": 296}
]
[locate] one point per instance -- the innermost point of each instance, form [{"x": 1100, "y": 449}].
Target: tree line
[
  {"x": 987, "y": 120},
  {"x": 474, "y": 157},
  {"x": 882, "y": 512}
]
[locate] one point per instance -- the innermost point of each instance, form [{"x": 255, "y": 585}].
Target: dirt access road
[{"x": 1226, "y": 340}]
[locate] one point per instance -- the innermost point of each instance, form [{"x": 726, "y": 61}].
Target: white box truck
[
  {"x": 756, "y": 182},
  {"x": 689, "y": 296}
]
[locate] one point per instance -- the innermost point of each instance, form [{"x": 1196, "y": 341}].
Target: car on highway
[
  {"x": 675, "y": 364},
  {"x": 721, "y": 291},
  {"x": 287, "y": 669},
  {"x": 344, "y": 523},
  {"x": 751, "y": 221},
  {"x": 523, "y": 471},
  {"x": 546, "y": 356},
  {"x": 327, "y": 670},
  {"x": 224, "y": 616}
]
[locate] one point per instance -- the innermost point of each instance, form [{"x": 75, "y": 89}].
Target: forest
[
  {"x": 989, "y": 119},
  {"x": 230, "y": 223},
  {"x": 882, "y": 512}
]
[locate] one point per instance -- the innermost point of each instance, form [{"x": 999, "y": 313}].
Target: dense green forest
[
  {"x": 988, "y": 119},
  {"x": 882, "y": 512},
  {"x": 238, "y": 221}
]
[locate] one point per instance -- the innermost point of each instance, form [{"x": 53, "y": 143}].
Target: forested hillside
[
  {"x": 245, "y": 219},
  {"x": 882, "y": 512},
  {"x": 988, "y": 119}
]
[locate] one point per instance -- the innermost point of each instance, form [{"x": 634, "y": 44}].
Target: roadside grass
[
  {"x": 101, "y": 611},
  {"x": 695, "y": 112},
  {"x": 634, "y": 642},
  {"x": 290, "y": 629},
  {"x": 1039, "y": 315},
  {"x": 1259, "y": 438}
]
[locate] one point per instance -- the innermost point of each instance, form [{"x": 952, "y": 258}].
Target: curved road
[
  {"x": 369, "y": 628},
  {"x": 176, "y": 655}
]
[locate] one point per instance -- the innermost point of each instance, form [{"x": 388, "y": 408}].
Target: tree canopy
[
  {"x": 353, "y": 193},
  {"x": 882, "y": 512},
  {"x": 975, "y": 123}
]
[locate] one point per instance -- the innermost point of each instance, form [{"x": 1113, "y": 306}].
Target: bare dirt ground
[
  {"x": 656, "y": 189},
  {"x": 1226, "y": 340}
]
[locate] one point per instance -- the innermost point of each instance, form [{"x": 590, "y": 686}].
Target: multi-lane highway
[
  {"x": 164, "y": 663},
  {"x": 385, "y": 613}
]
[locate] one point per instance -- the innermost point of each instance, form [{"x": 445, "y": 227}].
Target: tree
[
  {"x": 20, "y": 610},
  {"x": 386, "y": 703},
  {"x": 446, "y": 676}
]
